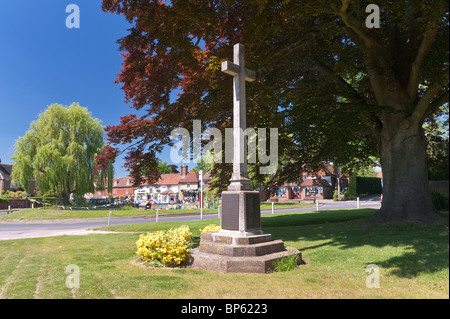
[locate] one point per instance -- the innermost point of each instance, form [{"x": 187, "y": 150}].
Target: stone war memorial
[{"x": 240, "y": 246}]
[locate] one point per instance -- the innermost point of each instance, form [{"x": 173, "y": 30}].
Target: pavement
[{"x": 11, "y": 229}]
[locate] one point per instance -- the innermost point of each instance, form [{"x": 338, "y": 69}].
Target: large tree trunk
[
  {"x": 406, "y": 197},
  {"x": 65, "y": 198}
]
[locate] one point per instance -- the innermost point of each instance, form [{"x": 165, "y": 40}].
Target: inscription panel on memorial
[
  {"x": 230, "y": 211},
  {"x": 252, "y": 212}
]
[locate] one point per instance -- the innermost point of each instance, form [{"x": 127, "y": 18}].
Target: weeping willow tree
[{"x": 59, "y": 151}]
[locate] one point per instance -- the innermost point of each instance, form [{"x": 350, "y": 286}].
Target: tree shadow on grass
[{"x": 426, "y": 246}]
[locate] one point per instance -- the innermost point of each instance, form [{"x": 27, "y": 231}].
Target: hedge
[{"x": 368, "y": 185}]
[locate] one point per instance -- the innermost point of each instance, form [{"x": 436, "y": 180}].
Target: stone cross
[
  {"x": 239, "y": 179},
  {"x": 240, "y": 245}
]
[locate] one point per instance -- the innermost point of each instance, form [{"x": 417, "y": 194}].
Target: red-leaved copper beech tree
[{"x": 336, "y": 89}]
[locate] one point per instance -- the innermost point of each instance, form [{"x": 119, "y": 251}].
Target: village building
[
  {"x": 189, "y": 185},
  {"x": 184, "y": 187},
  {"x": 6, "y": 180},
  {"x": 174, "y": 188},
  {"x": 165, "y": 190},
  {"x": 123, "y": 187},
  {"x": 315, "y": 185}
]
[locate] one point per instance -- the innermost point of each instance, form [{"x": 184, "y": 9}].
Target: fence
[
  {"x": 368, "y": 185},
  {"x": 15, "y": 203},
  {"x": 439, "y": 186}
]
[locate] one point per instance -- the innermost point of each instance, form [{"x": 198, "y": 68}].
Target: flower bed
[{"x": 165, "y": 248}]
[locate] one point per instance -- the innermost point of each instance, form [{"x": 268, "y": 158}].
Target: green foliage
[
  {"x": 286, "y": 263},
  {"x": 204, "y": 164},
  {"x": 440, "y": 202},
  {"x": 368, "y": 185},
  {"x": 59, "y": 151},
  {"x": 211, "y": 197},
  {"x": 164, "y": 169},
  {"x": 220, "y": 178},
  {"x": 436, "y": 133},
  {"x": 352, "y": 186},
  {"x": 344, "y": 195},
  {"x": 13, "y": 194},
  {"x": 366, "y": 172},
  {"x": 335, "y": 196},
  {"x": 334, "y": 88}
]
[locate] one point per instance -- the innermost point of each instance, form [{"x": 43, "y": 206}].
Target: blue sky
[{"x": 44, "y": 62}]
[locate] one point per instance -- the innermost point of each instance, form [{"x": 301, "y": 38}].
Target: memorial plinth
[
  {"x": 240, "y": 245},
  {"x": 227, "y": 252},
  {"x": 241, "y": 211}
]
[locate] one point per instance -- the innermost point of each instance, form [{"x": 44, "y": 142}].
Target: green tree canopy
[
  {"x": 163, "y": 168},
  {"x": 59, "y": 151},
  {"x": 336, "y": 89}
]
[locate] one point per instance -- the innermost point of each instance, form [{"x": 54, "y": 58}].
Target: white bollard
[
  {"x": 272, "y": 207},
  {"x": 9, "y": 209},
  {"x": 357, "y": 202},
  {"x": 109, "y": 218},
  {"x": 317, "y": 205}
]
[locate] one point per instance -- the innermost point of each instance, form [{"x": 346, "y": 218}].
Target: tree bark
[{"x": 406, "y": 197}]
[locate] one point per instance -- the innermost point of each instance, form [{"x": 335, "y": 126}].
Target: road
[{"x": 45, "y": 228}]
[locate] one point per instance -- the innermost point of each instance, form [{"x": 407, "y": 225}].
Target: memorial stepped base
[{"x": 240, "y": 254}]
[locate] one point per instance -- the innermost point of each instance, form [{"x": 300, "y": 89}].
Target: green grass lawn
[
  {"x": 413, "y": 262},
  {"x": 48, "y": 213},
  {"x": 265, "y": 205}
]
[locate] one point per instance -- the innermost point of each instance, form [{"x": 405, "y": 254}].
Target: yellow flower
[
  {"x": 210, "y": 228},
  {"x": 170, "y": 248}
]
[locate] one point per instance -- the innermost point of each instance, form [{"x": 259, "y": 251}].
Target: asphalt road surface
[{"x": 46, "y": 228}]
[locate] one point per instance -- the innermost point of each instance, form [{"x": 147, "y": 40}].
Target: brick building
[
  {"x": 121, "y": 187},
  {"x": 319, "y": 184},
  {"x": 6, "y": 183},
  {"x": 182, "y": 187}
]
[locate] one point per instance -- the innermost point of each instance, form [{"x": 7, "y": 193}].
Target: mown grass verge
[{"x": 412, "y": 259}]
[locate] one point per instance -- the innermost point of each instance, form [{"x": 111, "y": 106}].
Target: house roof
[
  {"x": 316, "y": 182},
  {"x": 121, "y": 182},
  {"x": 167, "y": 192},
  {"x": 191, "y": 177},
  {"x": 168, "y": 179},
  {"x": 324, "y": 169},
  {"x": 164, "y": 179},
  {"x": 5, "y": 171}
]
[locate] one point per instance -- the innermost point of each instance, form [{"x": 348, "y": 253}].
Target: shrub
[
  {"x": 165, "y": 248},
  {"x": 14, "y": 194},
  {"x": 368, "y": 185},
  {"x": 440, "y": 202},
  {"x": 212, "y": 227},
  {"x": 344, "y": 195},
  {"x": 286, "y": 263},
  {"x": 335, "y": 196}
]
